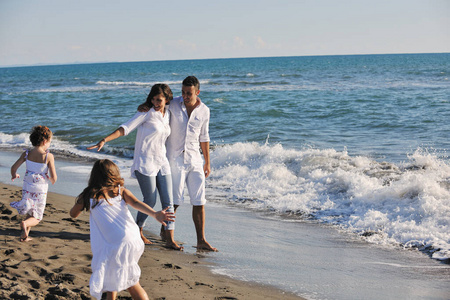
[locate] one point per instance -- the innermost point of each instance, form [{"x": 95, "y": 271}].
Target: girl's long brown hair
[{"x": 105, "y": 177}]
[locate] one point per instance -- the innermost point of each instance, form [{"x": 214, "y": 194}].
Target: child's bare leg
[
  {"x": 146, "y": 240},
  {"x": 137, "y": 292},
  {"x": 111, "y": 295},
  {"x": 26, "y": 227}
]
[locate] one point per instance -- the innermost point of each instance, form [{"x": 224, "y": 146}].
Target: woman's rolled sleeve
[{"x": 134, "y": 122}]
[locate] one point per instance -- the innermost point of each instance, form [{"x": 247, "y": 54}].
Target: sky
[{"x": 84, "y": 31}]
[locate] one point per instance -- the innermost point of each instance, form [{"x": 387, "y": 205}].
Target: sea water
[{"x": 356, "y": 143}]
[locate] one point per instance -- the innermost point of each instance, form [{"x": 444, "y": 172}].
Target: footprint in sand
[
  {"x": 58, "y": 270},
  {"x": 9, "y": 251},
  {"x": 171, "y": 266},
  {"x": 34, "y": 284},
  {"x": 40, "y": 271}
]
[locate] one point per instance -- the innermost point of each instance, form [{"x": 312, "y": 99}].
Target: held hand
[
  {"x": 15, "y": 177},
  {"x": 143, "y": 108},
  {"x": 99, "y": 145},
  {"x": 163, "y": 215},
  {"x": 207, "y": 170}
]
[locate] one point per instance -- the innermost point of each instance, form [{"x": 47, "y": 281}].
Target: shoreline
[
  {"x": 57, "y": 261},
  {"x": 261, "y": 257}
]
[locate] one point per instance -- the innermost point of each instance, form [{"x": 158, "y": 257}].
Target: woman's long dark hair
[
  {"x": 105, "y": 177},
  {"x": 159, "y": 88}
]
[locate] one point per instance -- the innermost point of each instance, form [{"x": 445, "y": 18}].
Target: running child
[
  {"x": 116, "y": 243},
  {"x": 39, "y": 163}
]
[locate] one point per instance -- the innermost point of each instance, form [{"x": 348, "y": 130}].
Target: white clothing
[
  {"x": 183, "y": 150},
  {"x": 191, "y": 175},
  {"x": 34, "y": 190},
  {"x": 116, "y": 247},
  {"x": 149, "y": 149},
  {"x": 187, "y": 132}
]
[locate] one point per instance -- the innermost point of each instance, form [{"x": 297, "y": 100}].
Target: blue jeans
[{"x": 150, "y": 187}]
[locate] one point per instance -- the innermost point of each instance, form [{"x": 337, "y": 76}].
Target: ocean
[{"x": 358, "y": 144}]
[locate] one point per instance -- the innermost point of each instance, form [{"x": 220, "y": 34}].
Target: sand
[{"x": 56, "y": 263}]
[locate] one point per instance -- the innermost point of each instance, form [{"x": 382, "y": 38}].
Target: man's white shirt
[{"x": 187, "y": 132}]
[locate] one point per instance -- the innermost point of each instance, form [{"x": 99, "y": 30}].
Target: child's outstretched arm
[
  {"x": 51, "y": 168},
  {"x": 16, "y": 166},
  {"x": 76, "y": 210},
  {"x": 160, "y": 216}
]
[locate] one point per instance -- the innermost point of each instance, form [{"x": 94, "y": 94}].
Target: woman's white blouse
[{"x": 150, "y": 149}]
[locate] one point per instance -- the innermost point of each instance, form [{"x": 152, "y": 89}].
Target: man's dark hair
[{"x": 192, "y": 81}]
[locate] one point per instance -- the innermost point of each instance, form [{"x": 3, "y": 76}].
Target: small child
[
  {"x": 115, "y": 240},
  {"x": 39, "y": 162}
]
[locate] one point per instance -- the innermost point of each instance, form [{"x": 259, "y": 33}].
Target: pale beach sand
[{"x": 56, "y": 263}]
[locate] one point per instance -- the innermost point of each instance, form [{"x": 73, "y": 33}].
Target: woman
[{"x": 150, "y": 165}]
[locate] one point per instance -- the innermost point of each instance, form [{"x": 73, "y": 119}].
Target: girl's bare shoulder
[
  {"x": 51, "y": 157},
  {"x": 37, "y": 156}
]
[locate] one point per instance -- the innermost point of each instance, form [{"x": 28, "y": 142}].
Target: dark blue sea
[{"x": 360, "y": 143}]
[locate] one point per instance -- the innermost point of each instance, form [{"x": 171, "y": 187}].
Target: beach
[
  {"x": 56, "y": 263},
  {"x": 330, "y": 175},
  {"x": 260, "y": 255}
]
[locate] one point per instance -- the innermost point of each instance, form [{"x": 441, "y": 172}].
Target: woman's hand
[{"x": 99, "y": 145}]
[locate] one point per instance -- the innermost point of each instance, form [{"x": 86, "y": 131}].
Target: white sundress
[
  {"x": 116, "y": 247},
  {"x": 34, "y": 190}
]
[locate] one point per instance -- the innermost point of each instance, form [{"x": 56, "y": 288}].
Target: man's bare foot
[
  {"x": 146, "y": 240},
  {"x": 205, "y": 246}
]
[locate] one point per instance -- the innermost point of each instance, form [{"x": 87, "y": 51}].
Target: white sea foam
[
  {"x": 134, "y": 83},
  {"x": 219, "y": 100},
  {"x": 407, "y": 204},
  {"x": 143, "y": 83},
  {"x": 73, "y": 89},
  {"x": 20, "y": 140},
  {"x": 101, "y": 85},
  {"x": 63, "y": 148}
]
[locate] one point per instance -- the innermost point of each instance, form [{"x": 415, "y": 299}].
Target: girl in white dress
[
  {"x": 115, "y": 240},
  {"x": 39, "y": 163}
]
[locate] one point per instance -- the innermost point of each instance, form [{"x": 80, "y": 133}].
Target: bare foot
[
  {"x": 25, "y": 239},
  {"x": 24, "y": 235},
  {"x": 174, "y": 246},
  {"x": 162, "y": 234},
  {"x": 146, "y": 240},
  {"x": 205, "y": 246}
]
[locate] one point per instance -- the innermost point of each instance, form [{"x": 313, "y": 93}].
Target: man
[{"x": 189, "y": 124}]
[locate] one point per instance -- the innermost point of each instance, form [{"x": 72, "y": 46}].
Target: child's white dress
[
  {"x": 34, "y": 190},
  {"x": 116, "y": 247}
]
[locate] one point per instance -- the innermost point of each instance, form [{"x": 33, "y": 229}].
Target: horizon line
[{"x": 218, "y": 58}]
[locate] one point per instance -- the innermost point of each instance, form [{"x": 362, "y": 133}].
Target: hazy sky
[{"x": 63, "y": 31}]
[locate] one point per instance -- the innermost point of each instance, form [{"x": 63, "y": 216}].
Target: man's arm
[
  {"x": 205, "y": 150},
  {"x": 144, "y": 107}
]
